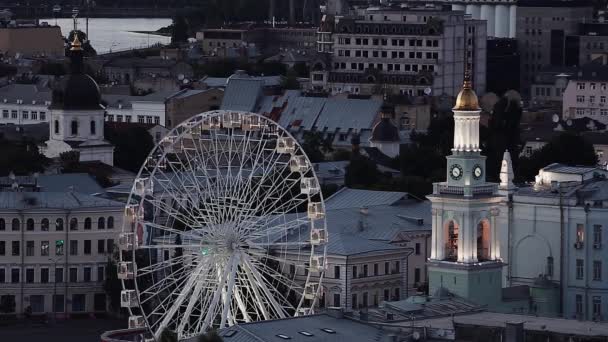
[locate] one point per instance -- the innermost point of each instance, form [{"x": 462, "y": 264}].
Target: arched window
[
  {"x": 451, "y": 246},
  {"x": 111, "y": 222},
  {"x": 483, "y": 240},
  {"x": 74, "y": 127},
  {"x": 56, "y": 126},
  {"x": 44, "y": 224},
  {"x": 2, "y": 224},
  {"x": 29, "y": 224},
  {"x": 16, "y": 224},
  {"x": 59, "y": 224},
  {"x": 101, "y": 223},
  {"x": 73, "y": 223},
  {"x": 87, "y": 223},
  {"x": 93, "y": 128}
]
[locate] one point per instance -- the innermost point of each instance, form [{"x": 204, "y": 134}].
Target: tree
[
  {"x": 131, "y": 146},
  {"x": 502, "y": 134},
  {"x": 566, "y": 148},
  {"x": 112, "y": 285},
  {"x": 314, "y": 146},
  {"x": 21, "y": 158},
  {"x": 290, "y": 81},
  {"x": 211, "y": 336},
  {"x": 168, "y": 336},
  {"x": 179, "y": 32},
  {"x": 361, "y": 172}
]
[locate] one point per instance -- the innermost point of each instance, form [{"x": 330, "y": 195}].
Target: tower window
[
  {"x": 56, "y": 126},
  {"x": 74, "y": 127},
  {"x": 93, "y": 128}
]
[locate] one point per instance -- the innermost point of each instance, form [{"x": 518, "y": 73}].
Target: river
[{"x": 116, "y": 34}]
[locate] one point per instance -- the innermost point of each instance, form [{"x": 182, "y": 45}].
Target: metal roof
[
  {"x": 26, "y": 93},
  {"x": 574, "y": 170},
  {"x": 340, "y": 115},
  {"x": 302, "y": 112},
  {"x": 54, "y": 200},
  {"x": 81, "y": 182},
  {"x": 357, "y": 198},
  {"x": 304, "y": 329},
  {"x": 242, "y": 94},
  {"x": 353, "y": 243}
]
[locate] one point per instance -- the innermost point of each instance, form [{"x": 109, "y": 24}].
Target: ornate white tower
[
  {"x": 77, "y": 116},
  {"x": 465, "y": 247}
]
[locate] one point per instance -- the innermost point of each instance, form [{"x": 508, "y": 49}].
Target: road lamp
[{"x": 53, "y": 302}]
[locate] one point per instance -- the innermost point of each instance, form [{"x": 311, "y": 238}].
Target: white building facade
[
  {"x": 586, "y": 95},
  {"x": 54, "y": 249},
  {"x": 23, "y": 104},
  {"x": 149, "y": 109}
]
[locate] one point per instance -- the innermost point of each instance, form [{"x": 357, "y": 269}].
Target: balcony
[{"x": 469, "y": 191}]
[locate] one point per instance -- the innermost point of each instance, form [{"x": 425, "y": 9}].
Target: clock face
[
  {"x": 477, "y": 171},
  {"x": 456, "y": 172}
]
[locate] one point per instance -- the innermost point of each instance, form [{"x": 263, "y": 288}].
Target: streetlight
[{"x": 53, "y": 302}]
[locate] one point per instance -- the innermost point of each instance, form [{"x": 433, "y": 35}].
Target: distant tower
[
  {"x": 465, "y": 246},
  {"x": 385, "y": 135},
  {"x": 77, "y": 116}
]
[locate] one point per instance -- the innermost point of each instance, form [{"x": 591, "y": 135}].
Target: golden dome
[
  {"x": 76, "y": 45},
  {"x": 467, "y": 99}
]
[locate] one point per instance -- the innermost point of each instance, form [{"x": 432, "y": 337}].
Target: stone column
[
  {"x": 487, "y": 13},
  {"x": 434, "y": 234},
  {"x": 502, "y": 17},
  {"x": 462, "y": 239},
  {"x": 440, "y": 230},
  {"x": 512, "y": 21},
  {"x": 495, "y": 239}
]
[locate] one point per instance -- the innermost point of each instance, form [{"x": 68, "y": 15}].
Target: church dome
[
  {"x": 385, "y": 131},
  {"x": 467, "y": 99},
  {"x": 77, "y": 90}
]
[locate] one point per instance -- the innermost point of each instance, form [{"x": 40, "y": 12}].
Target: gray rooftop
[
  {"x": 242, "y": 94},
  {"x": 352, "y": 244},
  {"x": 340, "y": 115},
  {"x": 28, "y": 93},
  {"x": 302, "y": 112},
  {"x": 574, "y": 170},
  {"x": 357, "y": 198},
  {"x": 53, "y": 200},
  {"x": 127, "y": 101},
  {"x": 341, "y": 329},
  {"x": 80, "y": 182}
]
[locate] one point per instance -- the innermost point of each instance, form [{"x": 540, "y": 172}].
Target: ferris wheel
[{"x": 225, "y": 224}]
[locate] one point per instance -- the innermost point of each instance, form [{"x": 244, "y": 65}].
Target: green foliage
[
  {"x": 211, "y": 336},
  {"x": 315, "y": 146},
  {"x": 341, "y": 155},
  {"x": 112, "y": 285},
  {"x": 226, "y": 67},
  {"x": 329, "y": 189},
  {"x": 361, "y": 173},
  {"x": 7, "y": 70},
  {"x": 301, "y": 70},
  {"x": 179, "y": 30},
  {"x": 131, "y": 146},
  {"x": 567, "y": 148},
  {"x": 290, "y": 81},
  {"x": 168, "y": 336},
  {"x": 502, "y": 134},
  {"x": 22, "y": 158}
]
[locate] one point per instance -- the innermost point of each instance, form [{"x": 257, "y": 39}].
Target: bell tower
[{"x": 465, "y": 247}]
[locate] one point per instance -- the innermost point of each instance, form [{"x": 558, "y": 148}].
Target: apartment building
[
  {"x": 413, "y": 51},
  {"x": 23, "y": 104},
  {"x": 54, "y": 247},
  {"x": 586, "y": 93}
]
